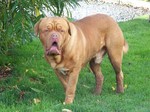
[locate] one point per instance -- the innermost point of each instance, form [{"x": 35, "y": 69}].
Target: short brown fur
[{"x": 80, "y": 42}]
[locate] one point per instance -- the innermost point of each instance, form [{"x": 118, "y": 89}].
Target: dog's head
[{"x": 53, "y": 32}]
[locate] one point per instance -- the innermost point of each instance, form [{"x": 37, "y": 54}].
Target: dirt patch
[{"x": 5, "y": 71}]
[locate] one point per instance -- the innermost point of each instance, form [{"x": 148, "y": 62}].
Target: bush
[{"x": 17, "y": 18}]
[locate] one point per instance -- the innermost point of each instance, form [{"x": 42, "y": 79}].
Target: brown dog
[{"x": 70, "y": 45}]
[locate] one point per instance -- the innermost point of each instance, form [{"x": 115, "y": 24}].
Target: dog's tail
[{"x": 125, "y": 47}]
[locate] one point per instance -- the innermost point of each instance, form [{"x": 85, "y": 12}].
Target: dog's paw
[{"x": 68, "y": 101}]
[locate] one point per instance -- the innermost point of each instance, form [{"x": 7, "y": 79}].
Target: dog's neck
[{"x": 54, "y": 60}]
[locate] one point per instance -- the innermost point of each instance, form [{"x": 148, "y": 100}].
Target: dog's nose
[{"x": 54, "y": 35}]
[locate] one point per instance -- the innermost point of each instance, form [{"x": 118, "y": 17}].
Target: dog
[{"x": 69, "y": 46}]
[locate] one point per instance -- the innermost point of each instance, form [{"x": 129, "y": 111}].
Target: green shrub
[{"x": 17, "y": 18}]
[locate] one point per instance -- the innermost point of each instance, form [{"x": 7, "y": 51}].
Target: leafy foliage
[
  {"x": 17, "y": 18},
  {"x": 57, "y": 6}
]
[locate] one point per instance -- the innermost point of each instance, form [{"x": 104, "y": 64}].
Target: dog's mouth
[{"x": 54, "y": 49}]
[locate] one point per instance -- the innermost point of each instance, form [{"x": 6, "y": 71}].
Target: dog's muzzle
[{"x": 54, "y": 48}]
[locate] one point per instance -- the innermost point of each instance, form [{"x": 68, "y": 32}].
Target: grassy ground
[{"x": 33, "y": 87}]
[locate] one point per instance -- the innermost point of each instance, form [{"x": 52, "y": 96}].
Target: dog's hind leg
[
  {"x": 115, "y": 54},
  {"x": 95, "y": 67}
]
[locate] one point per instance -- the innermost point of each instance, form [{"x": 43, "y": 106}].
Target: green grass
[{"x": 32, "y": 78}]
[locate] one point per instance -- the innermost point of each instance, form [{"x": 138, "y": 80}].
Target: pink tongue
[{"x": 54, "y": 50}]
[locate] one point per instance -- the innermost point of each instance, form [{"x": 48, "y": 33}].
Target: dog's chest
[
  {"x": 60, "y": 68},
  {"x": 63, "y": 71},
  {"x": 63, "y": 68}
]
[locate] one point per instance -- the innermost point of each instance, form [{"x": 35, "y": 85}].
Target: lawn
[{"x": 32, "y": 86}]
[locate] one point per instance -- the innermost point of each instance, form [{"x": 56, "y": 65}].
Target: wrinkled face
[{"x": 53, "y": 32}]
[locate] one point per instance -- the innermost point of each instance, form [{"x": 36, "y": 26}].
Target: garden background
[{"x": 28, "y": 84}]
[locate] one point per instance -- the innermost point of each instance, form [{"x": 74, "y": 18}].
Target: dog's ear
[
  {"x": 72, "y": 29},
  {"x": 36, "y": 27},
  {"x": 71, "y": 26}
]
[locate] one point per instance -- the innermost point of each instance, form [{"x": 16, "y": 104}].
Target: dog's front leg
[
  {"x": 62, "y": 78},
  {"x": 71, "y": 86}
]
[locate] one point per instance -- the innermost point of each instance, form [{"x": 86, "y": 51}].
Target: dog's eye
[
  {"x": 46, "y": 30},
  {"x": 60, "y": 30}
]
